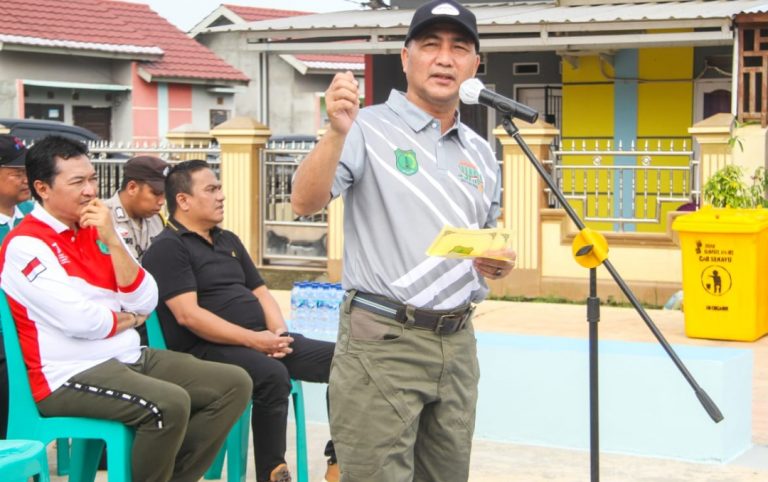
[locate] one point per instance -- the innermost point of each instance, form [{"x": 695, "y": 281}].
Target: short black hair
[
  {"x": 41, "y": 159},
  {"x": 179, "y": 180}
]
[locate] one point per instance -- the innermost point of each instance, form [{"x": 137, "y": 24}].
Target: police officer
[{"x": 136, "y": 206}]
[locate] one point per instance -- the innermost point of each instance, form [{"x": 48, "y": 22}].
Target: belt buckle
[{"x": 461, "y": 321}]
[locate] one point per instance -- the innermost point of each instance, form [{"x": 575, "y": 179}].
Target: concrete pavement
[{"x": 497, "y": 462}]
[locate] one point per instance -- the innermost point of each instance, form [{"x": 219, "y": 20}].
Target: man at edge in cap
[
  {"x": 136, "y": 206},
  {"x": 403, "y": 383},
  {"x": 15, "y": 203},
  {"x": 15, "y": 195}
]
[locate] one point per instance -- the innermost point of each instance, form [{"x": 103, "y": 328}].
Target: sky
[{"x": 185, "y": 14}]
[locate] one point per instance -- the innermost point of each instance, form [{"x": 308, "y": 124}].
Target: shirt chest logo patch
[
  {"x": 406, "y": 162},
  {"x": 469, "y": 174}
]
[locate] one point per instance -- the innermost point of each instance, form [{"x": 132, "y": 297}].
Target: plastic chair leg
[
  {"x": 85, "y": 456},
  {"x": 302, "y": 468},
  {"x": 237, "y": 448},
  {"x": 214, "y": 471},
  {"x": 62, "y": 456}
]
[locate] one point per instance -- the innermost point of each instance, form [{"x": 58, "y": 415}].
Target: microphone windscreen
[{"x": 470, "y": 91}]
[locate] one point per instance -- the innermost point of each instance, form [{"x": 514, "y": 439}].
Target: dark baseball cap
[
  {"x": 149, "y": 169},
  {"x": 443, "y": 11},
  {"x": 12, "y": 151}
]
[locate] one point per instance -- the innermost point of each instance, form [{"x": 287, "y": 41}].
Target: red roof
[
  {"x": 254, "y": 14},
  {"x": 340, "y": 58},
  {"x": 117, "y": 23}
]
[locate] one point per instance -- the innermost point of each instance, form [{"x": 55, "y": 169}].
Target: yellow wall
[
  {"x": 664, "y": 110},
  {"x": 665, "y": 93}
]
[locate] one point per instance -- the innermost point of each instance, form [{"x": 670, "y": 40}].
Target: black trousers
[{"x": 310, "y": 361}]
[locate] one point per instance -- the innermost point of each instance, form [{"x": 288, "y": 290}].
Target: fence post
[
  {"x": 713, "y": 134},
  {"x": 335, "y": 239},
  {"x": 522, "y": 199},
  {"x": 241, "y": 140},
  {"x": 189, "y": 136}
]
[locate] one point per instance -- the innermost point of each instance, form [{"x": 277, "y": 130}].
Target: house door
[
  {"x": 547, "y": 100},
  {"x": 96, "y": 119},
  {"x": 710, "y": 97}
]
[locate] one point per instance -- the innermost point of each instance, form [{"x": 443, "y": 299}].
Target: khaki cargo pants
[{"x": 402, "y": 400}]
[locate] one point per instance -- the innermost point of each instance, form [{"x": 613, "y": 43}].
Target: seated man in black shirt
[{"x": 215, "y": 305}]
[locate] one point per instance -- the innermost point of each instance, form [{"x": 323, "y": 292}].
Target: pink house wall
[{"x": 144, "y": 97}]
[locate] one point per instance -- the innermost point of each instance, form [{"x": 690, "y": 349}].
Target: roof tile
[{"x": 118, "y": 23}]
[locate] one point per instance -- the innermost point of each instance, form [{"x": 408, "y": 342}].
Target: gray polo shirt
[
  {"x": 138, "y": 235},
  {"x": 402, "y": 181}
]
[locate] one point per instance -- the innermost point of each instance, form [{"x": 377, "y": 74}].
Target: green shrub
[{"x": 728, "y": 188}]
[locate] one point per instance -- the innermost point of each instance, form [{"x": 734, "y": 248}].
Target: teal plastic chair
[
  {"x": 22, "y": 459},
  {"x": 237, "y": 440},
  {"x": 88, "y": 434}
]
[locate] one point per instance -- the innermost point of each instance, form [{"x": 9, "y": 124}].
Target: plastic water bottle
[
  {"x": 338, "y": 299},
  {"x": 324, "y": 303},
  {"x": 311, "y": 320},
  {"x": 298, "y": 295},
  {"x": 675, "y": 302}
]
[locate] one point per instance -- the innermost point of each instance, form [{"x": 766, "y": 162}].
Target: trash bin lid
[{"x": 722, "y": 220}]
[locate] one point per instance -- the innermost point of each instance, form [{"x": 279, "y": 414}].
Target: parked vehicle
[{"x": 30, "y": 130}]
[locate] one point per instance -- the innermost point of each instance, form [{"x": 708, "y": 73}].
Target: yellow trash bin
[{"x": 725, "y": 272}]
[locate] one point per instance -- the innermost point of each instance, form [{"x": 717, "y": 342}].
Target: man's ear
[
  {"x": 42, "y": 189},
  {"x": 182, "y": 201},
  {"x": 132, "y": 187}
]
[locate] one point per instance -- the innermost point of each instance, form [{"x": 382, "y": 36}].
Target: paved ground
[{"x": 497, "y": 462}]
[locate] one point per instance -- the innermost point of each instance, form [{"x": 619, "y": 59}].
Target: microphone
[{"x": 473, "y": 91}]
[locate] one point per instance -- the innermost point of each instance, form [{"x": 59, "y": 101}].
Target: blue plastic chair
[
  {"x": 237, "y": 440},
  {"x": 88, "y": 434},
  {"x": 22, "y": 459}
]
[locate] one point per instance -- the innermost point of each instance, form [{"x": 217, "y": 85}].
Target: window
[
  {"x": 44, "y": 111},
  {"x": 525, "y": 68},
  {"x": 218, "y": 116}
]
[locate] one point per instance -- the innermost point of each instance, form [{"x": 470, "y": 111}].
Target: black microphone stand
[{"x": 590, "y": 251}]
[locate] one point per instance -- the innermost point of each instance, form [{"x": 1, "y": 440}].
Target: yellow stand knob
[{"x": 589, "y": 248}]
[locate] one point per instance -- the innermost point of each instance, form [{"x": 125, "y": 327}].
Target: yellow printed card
[{"x": 469, "y": 243}]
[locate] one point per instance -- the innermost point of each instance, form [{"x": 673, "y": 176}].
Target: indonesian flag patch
[{"x": 33, "y": 269}]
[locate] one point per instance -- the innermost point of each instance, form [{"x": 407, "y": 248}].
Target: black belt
[{"x": 439, "y": 321}]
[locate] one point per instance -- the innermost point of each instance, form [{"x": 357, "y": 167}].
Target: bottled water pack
[{"x": 315, "y": 309}]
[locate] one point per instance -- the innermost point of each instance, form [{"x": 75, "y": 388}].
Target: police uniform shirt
[{"x": 137, "y": 235}]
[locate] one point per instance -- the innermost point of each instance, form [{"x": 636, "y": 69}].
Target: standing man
[
  {"x": 403, "y": 385},
  {"x": 14, "y": 205},
  {"x": 215, "y": 305},
  {"x": 77, "y": 295},
  {"x": 136, "y": 206}
]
